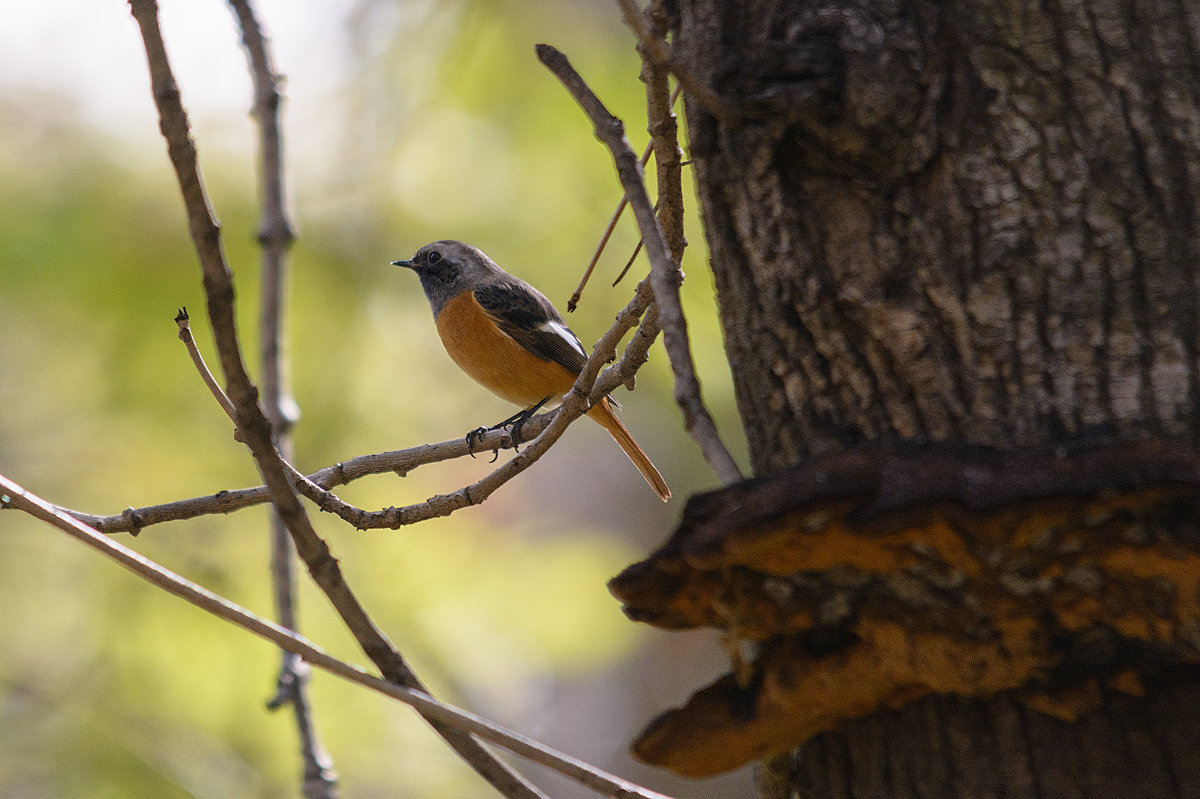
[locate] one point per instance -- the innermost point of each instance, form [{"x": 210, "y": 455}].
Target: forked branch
[{"x": 665, "y": 276}]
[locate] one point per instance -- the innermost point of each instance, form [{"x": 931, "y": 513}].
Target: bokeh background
[{"x": 404, "y": 122}]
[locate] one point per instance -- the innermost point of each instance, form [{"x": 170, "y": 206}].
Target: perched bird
[{"x": 509, "y": 338}]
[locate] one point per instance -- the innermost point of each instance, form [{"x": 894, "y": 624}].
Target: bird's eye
[{"x": 433, "y": 257}]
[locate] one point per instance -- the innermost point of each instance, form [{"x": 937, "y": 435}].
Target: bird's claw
[
  {"x": 513, "y": 424},
  {"x": 473, "y": 438}
]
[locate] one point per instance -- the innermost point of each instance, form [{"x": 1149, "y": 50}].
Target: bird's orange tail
[{"x": 602, "y": 412}]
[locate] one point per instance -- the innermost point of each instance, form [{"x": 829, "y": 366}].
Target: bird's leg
[
  {"x": 514, "y": 423},
  {"x": 518, "y": 421}
]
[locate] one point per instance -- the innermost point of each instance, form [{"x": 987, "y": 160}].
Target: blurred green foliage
[{"x": 444, "y": 127}]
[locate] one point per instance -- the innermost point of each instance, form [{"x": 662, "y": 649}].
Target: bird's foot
[{"x": 514, "y": 424}]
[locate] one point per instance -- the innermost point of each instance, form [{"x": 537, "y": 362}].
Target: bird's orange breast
[{"x": 495, "y": 359}]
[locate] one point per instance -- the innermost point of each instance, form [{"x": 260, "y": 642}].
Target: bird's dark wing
[{"x": 524, "y": 313}]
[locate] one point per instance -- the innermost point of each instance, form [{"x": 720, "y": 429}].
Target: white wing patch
[{"x": 563, "y": 332}]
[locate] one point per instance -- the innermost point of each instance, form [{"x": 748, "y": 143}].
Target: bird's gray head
[{"x": 448, "y": 268}]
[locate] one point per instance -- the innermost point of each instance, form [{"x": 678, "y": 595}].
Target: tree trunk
[
  {"x": 969, "y": 221},
  {"x": 954, "y": 748}
]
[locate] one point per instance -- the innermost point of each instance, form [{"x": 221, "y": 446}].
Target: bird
[{"x": 510, "y": 339}]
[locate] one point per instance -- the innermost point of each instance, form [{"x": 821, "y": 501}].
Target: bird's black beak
[{"x": 406, "y": 264}]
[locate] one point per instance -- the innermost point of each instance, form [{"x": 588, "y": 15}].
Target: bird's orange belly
[{"x": 494, "y": 359}]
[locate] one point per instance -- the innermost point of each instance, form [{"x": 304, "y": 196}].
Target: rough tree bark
[{"x": 973, "y": 221}]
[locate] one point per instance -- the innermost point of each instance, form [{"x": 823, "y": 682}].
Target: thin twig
[
  {"x": 665, "y": 276},
  {"x": 252, "y": 422},
  {"x": 612, "y": 225},
  {"x": 183, "y": 322},
  {"x": 573, "y": 302},
  {"x": 275, "y": 237},
  {"x": 445, "y": 715},
  {"x": 629, "y": 264}
]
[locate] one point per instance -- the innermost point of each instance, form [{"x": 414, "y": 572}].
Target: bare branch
[
  {"x": 637, "y": 352},
  {"x": 133, "y": 520},
  {"x": 612, "y": 225},
  {"x": 275, "y": 231},
  {"x": 665, "y": 276},
  {"x": 275, "y": 237},
  {"x": 183, "y": 321},
  {"x": 641, "y": 242},
  {"x": 573, "y": 302},
  {"x": 657, "y": 50},
  {"x": 663, "y": 130},
  {"x": 251, "y": 420},
  {"x": 439, "y": 713}
]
